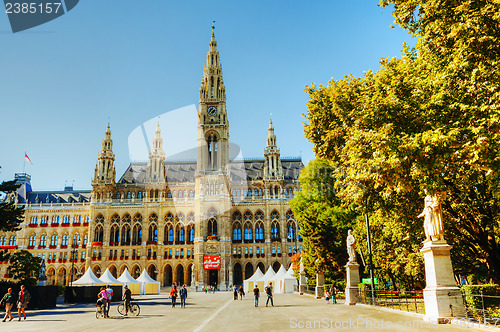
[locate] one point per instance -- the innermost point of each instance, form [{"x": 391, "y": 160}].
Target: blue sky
[{"x": 127, "y": 62}]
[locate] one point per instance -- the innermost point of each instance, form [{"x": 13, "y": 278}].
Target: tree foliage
[
  {"x": 428, "y": 120},
  {"x": 24, "y": 267},
  {"x": 11, "y": 216},
  {"x": 323, "y": 222}
]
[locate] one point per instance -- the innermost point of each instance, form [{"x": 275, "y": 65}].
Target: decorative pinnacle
[{"x": 213, "y": 28}]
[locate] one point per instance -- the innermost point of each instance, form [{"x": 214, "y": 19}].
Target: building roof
[{"x": 241, "y": 170}]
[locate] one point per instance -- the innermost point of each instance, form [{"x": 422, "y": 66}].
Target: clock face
[{"x": 212, "y": 110}]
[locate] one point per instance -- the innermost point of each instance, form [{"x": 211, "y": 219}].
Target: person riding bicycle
[{"x": 127, "y": 297}]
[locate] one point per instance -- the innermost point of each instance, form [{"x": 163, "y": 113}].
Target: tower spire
[
  {"x": 104, "y": 170},
  {"x": 272, "y": 166},
  {"x": 156, "y": 166}
]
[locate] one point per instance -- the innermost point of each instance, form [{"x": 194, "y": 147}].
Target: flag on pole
[{"x": 26, "y": 158}]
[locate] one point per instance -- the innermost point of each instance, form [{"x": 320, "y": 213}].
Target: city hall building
[{"x": 209, "y": 221}]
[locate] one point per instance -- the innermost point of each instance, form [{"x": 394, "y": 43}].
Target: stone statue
[
  {"x": 433, "y": 218},
  {"x": 351, "y": 241}
]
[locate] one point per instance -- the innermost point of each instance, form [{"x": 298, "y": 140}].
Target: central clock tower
[{"x": 212, "y": 194}]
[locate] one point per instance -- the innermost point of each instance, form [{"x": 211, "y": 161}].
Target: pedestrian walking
[
  {"x": 22, "y": 301},
  {"x": 183, "y": 293},
  {"x": 109, "y": 290},
  {"x": 256, "y": 295},
  {"x": 333, "y": 294},
  {"x": 269, "y": 292},
  {"x": 8, "y": 300},
  {"x": 327, "y": 297},
  {"x": 173, "y": 295},
  {"x": 235, "y": 292},
  {"x": 241, "y": 292}
]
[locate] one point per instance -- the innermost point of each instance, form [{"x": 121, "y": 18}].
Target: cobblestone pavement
[{"x": 219, "y": 312}]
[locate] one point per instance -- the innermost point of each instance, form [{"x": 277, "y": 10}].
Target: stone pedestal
[
  {"x": 441, "y": 294},
  {"x": 351, "y": 290},
  {"x": 302, "y": 283},
  {"x": 320, "y": 285}
]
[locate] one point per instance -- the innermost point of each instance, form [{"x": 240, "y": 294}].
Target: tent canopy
[
  {"x": 127, "y": 278},
  {"x": 145, "y": 278},
  {"x": 269, "y": 274},
  {"x": 256, "y": 275},
  {"x": 88, "y": 279},
  {"x": 108, "y": 278}
]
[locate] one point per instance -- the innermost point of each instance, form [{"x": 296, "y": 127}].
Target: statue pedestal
[
  {"x": 320, "y": 285},
  {"x": 441, "y": 294},
  {"x": 351, "y": 290},
  {"x": 302, "y": 283}
]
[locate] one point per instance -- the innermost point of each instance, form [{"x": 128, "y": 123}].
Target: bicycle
[
  {"x": 134, "y": 308},
  {"x": 100, "y": 311}
]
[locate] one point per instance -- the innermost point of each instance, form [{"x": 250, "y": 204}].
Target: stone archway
[
  {"x": 96, "y": 269},
  {"x": 51, "y": 276},
  {"x": 248, "y": 270},
  {"x": 189, "y": 273},
  {"x": 152, "y": 271},
  {"x": 135, "y": 271},
  {"x": 276, "y": 266},
  {"x": 112, "y": 270},
  {"x": 122, "y": 269},
  {"x": 61, "y": 277},
  {"x": 167, "y": 275},
  {"x": 237, "y": 274},
  {"x": 179, "y": 275},
  {"x": 261, "y": 267}
]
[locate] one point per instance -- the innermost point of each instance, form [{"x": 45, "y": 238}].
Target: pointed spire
[
  {"x": 212, "y": 85},
  {"x": 104, "y": 170}
]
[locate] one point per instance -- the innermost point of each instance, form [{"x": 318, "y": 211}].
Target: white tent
[
  {"x": 248, "y": 284},
  {"x": 278, "y": 280},
  {"x": 148, "y": 284},
  {"x": 108, "y": 278},
  {"x": 269, "y": 276},
  {"x": 288, "y": 281},
  {"x": 133, "y": 285},
  {"x": 88, "y": 279}
]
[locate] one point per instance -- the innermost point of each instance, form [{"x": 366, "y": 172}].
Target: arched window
[
  {"x": 259, "y": 232},
  {"x": 237, "y": 232},
  {"x": 126, "y": 234},
  {"x": 191, "y": 235},
  {"x": 248, "y": 232},
  {"x": 43, "y": 240},
  {"x": 53, "y": 240},
  {"x": 76, "y": 239},
  {"x": 171, "y": 234},
  {"x": 212, "y": 227},
  {"x": 212, "y": 151},
  {"x": 99, "y": 232},
  {"x": 275, "y": 231},
  {"x": 12, "y": 240},
  {"x": 32, "y": 240},
  {"x": 114, "y": 236},
  {"x": 169, "y": 194},
  {"x": 137, "y": 234},
  {"x": 65, "y": 240},
  {"x": 153, "y": 233},
  {"x": 139, "y": 195}
]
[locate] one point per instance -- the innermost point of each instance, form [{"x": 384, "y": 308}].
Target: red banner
[{"x": 211, "y": 262}]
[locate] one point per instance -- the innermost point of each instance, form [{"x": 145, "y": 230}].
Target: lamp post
[
  {"x": 370, "y": 257},
  {"x": 73, "y": 252}
]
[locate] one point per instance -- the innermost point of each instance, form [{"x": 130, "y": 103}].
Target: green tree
[
  {"x": 11, "y": 216},
  {"x": 323, "y": 222},
  {"x": 24, "y": 267},
  {"x": 429, "y": 120}
]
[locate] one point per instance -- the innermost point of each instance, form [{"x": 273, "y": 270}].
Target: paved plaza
[{"x": 219, "y": 312}]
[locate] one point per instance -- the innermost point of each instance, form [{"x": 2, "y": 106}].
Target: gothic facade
[{"x": 213, "y": 220}]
